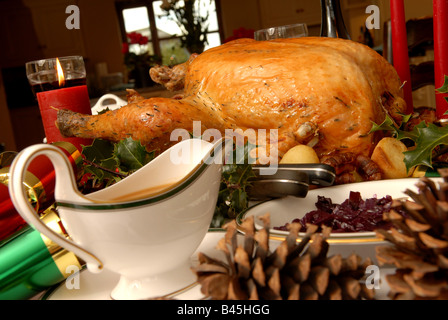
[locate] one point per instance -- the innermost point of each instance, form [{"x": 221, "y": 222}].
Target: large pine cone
[
  {"x": 295, "y": 270},
  {"x": 420, "y": 243}
]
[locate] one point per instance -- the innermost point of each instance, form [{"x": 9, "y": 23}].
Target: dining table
[{"x": 297, "y": 232}]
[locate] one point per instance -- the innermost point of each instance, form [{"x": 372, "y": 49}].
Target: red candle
[
  {"x": 75, "y": 98},
  {"x": 400, "y": 50},
  {"x": 440, "y": 16}
]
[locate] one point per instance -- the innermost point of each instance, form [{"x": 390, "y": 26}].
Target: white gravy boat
[{"x": 144, "y": 232}]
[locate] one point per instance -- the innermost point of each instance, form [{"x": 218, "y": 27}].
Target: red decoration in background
[
  {"x": 440, "y": 10},
  {"x": 10, "y": 220},
  {"x": 137, "y": 38},
  {"x": 41, "y": 168},
  {"x": 125, "y": 48},
  {"x": 241, "y": 33},
  {"x": 400, "y": 50}
]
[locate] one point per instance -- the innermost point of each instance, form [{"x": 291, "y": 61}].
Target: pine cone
[
  {"x": 420, "y": 243},
  {"x": 295, "y": 270}
]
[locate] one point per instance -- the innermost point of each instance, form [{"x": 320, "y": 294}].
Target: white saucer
[{"x": 99, "y": 286}]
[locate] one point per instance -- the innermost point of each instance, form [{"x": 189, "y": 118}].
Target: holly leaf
[
  {"x": 100, "y": 177},
  {"x": 444, "y": 87},
  {"x": 387, "y": 125},
  {"x": 412, "y": 135},
  {"x": 106, "y": 162},
  {"x": 429, "y": 137},
  {"x": 99, "y": 150},
  {"x": 396, "y": 131},
  {"x": 131, "y": 154},
  {"x": 99, "y": 164}
]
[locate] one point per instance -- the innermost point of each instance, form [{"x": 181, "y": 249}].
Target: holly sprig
[
  {"x": 235, "y": 180},
  {"x": 427, "y": 139},
  {"x": 106, "y": 162}
]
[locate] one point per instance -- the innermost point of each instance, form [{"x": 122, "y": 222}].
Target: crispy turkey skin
[{"x": 339, "y": 86}]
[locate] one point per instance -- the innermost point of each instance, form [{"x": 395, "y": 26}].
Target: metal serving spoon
[{"x": 289, "y": 180}]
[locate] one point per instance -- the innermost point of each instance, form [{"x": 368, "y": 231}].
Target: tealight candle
[{"x": 59, "y": 83}]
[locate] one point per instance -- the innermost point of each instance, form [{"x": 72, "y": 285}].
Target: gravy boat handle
[{"x": 65, "y": 184}]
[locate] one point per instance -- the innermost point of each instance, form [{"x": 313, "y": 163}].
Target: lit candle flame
[{"x": 61, "y": 77}]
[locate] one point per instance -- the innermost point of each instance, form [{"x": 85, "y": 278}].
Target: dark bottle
[
  {"x": 332, "y": 25},
  {"x": 368, "y": 39}
]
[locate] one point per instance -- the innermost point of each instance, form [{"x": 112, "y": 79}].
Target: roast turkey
[{"x": 333, "y": 88}]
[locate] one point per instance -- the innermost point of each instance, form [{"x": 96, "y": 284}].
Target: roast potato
[
  {"x": 300, "y": 154},
  {"x": 388, "y": 155}
]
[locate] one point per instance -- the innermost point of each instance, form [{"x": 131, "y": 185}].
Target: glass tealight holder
[
  {"x": 289, "y": 31},
  {"x": 43, "y": 74}
]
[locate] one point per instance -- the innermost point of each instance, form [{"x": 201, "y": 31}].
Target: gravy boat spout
[{"x": 145, "y": 227}]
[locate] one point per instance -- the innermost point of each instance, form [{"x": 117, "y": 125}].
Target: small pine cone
[
  {"x": 294, "y": 270},
  {"x": 419, "y": 238}
]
